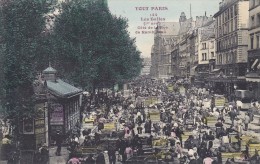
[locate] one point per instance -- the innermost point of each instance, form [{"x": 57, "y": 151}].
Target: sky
[{"x": 140, "y": 12}]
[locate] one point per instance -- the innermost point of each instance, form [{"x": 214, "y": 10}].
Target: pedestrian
[
  {"x": 139, "y": 128},
  {"x": 150, "y": 141},
  {"x": 178, "y": 132},
  {"x": 44, "y": 153},
  {"x": 128, "y": 152},
  {"x": 58, "y": 140},
  {"x": 112, "y": 155},
  {"x": 219, "y": 127},
  {"x": 246, "y": 121},
  {"x": 74, "y": 160},
  {"x": 232, "y": 115}
]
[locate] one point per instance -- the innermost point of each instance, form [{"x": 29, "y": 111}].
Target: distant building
[
  {"x": 165, "y": 34},
  {"x": 146, "y": 66}
]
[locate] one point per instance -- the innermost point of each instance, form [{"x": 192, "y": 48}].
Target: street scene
[{"x": 128, "y": 82}]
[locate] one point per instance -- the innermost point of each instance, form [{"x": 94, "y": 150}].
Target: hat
[
  {"x": 175, "y": 124},
  {"x": 191, "y": 153}
]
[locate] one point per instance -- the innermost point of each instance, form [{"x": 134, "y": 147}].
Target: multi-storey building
[
  {"x": 186, "y": 25},
  {"x": 205, "y": 50},
  {"x": 175, "y": 60},
  {"x": 203, "y": 27},
  {"x": 231, "y": 45},
  {"x": 253, "y": 74}
]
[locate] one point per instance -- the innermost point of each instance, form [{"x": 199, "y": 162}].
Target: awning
[
  {"x": 193, "y": 68},
  {"x": 192, "y": 71},
  {"x": 253, "y": 79},
  {"x": 258, "y": 67},
  {"x": 215, "y": 70},
  {"x": 253, "y": 65}
]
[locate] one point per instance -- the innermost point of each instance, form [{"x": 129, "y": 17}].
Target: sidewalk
[{"x": 58, "y": 159}]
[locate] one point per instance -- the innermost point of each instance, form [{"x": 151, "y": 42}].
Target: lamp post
[{"x": 231, "y": 76}]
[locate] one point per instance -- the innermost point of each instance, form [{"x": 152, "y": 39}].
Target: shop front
[{"x": 64, "y": 101}]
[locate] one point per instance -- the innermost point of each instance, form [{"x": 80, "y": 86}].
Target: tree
[
  {"x": 93, "y": 47},
  {"x": 22, "y": 24}
]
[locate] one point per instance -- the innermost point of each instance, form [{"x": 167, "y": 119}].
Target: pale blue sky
[{"x": 144, "y": 42}]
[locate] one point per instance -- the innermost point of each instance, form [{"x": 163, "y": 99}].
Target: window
[
  {"x": 212, "y": 55},
  {"x": 258, "y": 20},
  {"x": 227, "y": 58},
  {"x": 212, "y": 44},
  {"x": 252, "y": 41},
  {"x": 231, "y": 12},
  {"x": 204, "y": 56},
  {"x": 228, "y": 11},
  {"x": 203, "y": 45},
  {"x": 252, "y": 21},
  {"x": 235, "y": 24},
  {"x": 231, "y": 26},
  {"x": 220, "y": 59},
  {"x": 235, "y": 10},
  {"x": 257, "y": 41}
]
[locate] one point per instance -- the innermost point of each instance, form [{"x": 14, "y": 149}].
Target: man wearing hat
[
  {"x": 44, "y": 151},
  {"x": 58, "y": 139},
  {"x": 246, "y": 121}
]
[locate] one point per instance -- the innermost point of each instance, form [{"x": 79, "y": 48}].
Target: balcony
[{"x": 254, "y": 27}]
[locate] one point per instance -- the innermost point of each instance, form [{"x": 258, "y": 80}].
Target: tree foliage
[
  {"x": 22, "y": 24},
  {"x": 92, "y": 46}
]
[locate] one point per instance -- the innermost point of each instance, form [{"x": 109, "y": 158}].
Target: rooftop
[
  {"x": 50, "y": 70},
  {"x": 169, "y": 28},
  {"x": 62, "y": 89}
]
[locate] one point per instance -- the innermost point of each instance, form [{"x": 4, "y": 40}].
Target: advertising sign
[
  {"x": 57, "y": 114},
  {"x": 28, "y": 126},
  {"x": 220, "y": 101},
  {"x": 170, "y": 88},
  {"x": 109, "y": 126},
  {"x": 155, "y": 116}
]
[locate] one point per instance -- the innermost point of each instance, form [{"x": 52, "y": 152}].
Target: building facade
[
  {"x": 146, "y": 66},
  {"x": 231, "y": 45},
  {"x": 253, "y": 70},
  {"x": 165, "y": 34},
  {"x": 64, "y": 101}
]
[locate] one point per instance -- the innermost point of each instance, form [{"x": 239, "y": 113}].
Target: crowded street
[
  {"x": 129, "y": 82},
  {"x": 164, "y": 122}
]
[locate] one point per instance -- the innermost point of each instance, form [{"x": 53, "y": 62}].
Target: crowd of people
[{"x": 181, "y": 132}]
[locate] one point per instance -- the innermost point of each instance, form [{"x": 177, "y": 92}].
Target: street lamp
[
  {"x": 235, "y": 86},
  {"x": 231, "y": 76}
]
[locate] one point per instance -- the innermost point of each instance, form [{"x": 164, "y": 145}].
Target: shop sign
[
  {"x": 155, "y": 116},
  {"x": 109, "y": 126},
  {"x": 28, "y": 126},
  {"x": 39, "y": 126},
  {"x": 57, "y": 115},
  {"x": 220, "y": 101},
  {"x": 40, "y": 138}
]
